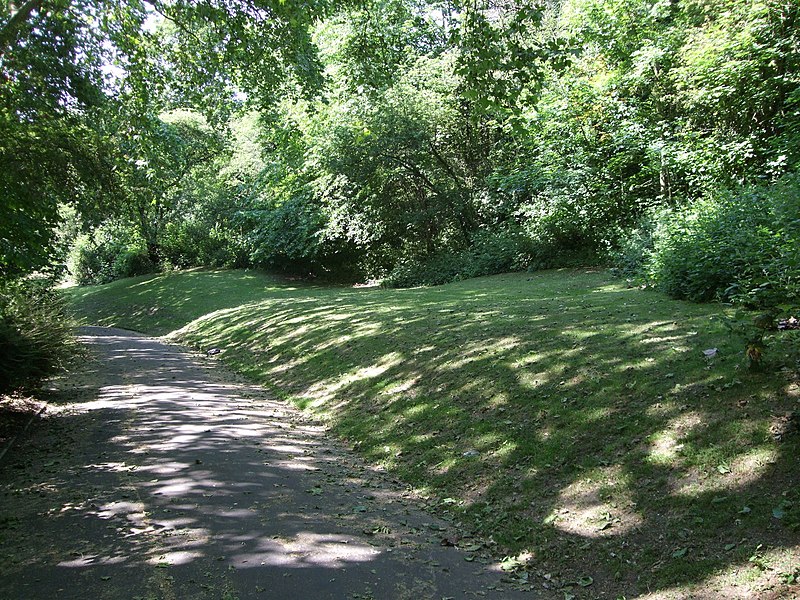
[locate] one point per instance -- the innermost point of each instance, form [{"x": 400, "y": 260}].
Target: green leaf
[
  {"x": 585, "y": 581},
  {"x": 680, "y": 552},
  {"x": 471, "y": 547}
]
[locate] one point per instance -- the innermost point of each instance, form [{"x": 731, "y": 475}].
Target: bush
[
  {"x": 742, "y": 246},
  {"x": 487, "y": 255},
  {"x": 36, "y": 337},
  {"x": 197, "y": 244},
  {"x": 433, "y": 270},
  {"x": 297, "y": 237},
  {"x": 106, "y": 256},
  {"x": 634, "y": 248}
]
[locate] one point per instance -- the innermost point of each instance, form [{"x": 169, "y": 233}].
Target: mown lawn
[{"x": 571, "y": 422}]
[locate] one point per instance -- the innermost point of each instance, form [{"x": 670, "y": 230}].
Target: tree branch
[
  {"x": 413, "y": 170},
  {"x": 9, "y": 31},
  {"x": 446, "y": 165}
]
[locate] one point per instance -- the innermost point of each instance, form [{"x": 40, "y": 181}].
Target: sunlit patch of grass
[
  {"x": 589, "y": 508},
  {"x": 521, "y": 397}
]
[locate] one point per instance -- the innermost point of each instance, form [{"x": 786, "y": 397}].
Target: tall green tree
[
  {"x": 154, "y": 171},
  {"x": 61, "y": 61}
]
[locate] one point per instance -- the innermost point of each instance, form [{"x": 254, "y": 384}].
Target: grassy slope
[{"x": 557, "y": 413}]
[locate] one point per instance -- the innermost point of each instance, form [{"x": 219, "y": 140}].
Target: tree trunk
[{"x": 154, "y": 253}]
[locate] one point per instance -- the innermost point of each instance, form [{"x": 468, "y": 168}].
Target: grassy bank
[{"x": 574, "y": 423}]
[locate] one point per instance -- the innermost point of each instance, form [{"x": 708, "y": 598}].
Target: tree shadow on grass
[{"x": 580, "y": 422}]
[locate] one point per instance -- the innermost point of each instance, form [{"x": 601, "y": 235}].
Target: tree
[
  {"x": 155, "y": 165},
  {"x": 55, "y": 61},
  {"x": 48, "y": 155}
]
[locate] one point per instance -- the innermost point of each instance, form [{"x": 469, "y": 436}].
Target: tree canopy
[{"x": 401, "y": 139}]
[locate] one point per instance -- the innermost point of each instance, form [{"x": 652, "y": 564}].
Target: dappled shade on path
[{"x": 155, "y": 476}]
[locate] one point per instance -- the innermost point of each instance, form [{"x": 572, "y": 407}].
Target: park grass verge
[{"x": 573, "y": 423}]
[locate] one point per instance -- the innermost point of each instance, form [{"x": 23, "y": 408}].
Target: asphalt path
[{"x": 155, "y": 474}]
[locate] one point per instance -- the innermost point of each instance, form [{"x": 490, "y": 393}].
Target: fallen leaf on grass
[
  {"x": 472, "y": 547},
  {"x": 513, "y": 563},
  {"x": 779, "y": 512}
]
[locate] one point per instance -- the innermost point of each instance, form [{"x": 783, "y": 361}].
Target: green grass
[{"x": 558, "y": 414}]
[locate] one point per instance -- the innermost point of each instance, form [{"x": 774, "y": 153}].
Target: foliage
[
  {"x": 488, "y": 254},
  {"x": 161, "y": 173},
  {"x": 286, "y": 237},
  {"x": 48, "y": 154},
  {"x": 107, "y": 254},
  {"x": 500, "y": 57},
  {"x": 36, "y": 337},
  {"x": 408, "y": 158},
  {"x": 740, "y": 245},
  {"x": 634, "y": 249},
  {"x": 82, "y": 81},
  {"x": 194, "y": 241},
  {"x": 396, "y": 137}
]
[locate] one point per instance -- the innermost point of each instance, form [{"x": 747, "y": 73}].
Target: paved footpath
[{"x": 154, "y": 474}]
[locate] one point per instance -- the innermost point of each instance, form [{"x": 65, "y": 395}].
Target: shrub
[
  {"x": 106, "y": 256},
  {"x": 433, "y": 270},
  {"x": 298, "y": 237},
  {"x": 36, "y": 337},
  {"x": 194, "y": 243},
  {"x": 634, "y": 248},
  {"x": 489, "y": 253},
  {"x": 286, "y": 237},
  {"x": 741, "y": 245}
]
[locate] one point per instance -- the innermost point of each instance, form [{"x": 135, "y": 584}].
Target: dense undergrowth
[
  {"x": 36, "y": 336},
  {"x": 559, "y": 414},
  {"x": 741, "y": 247}
]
